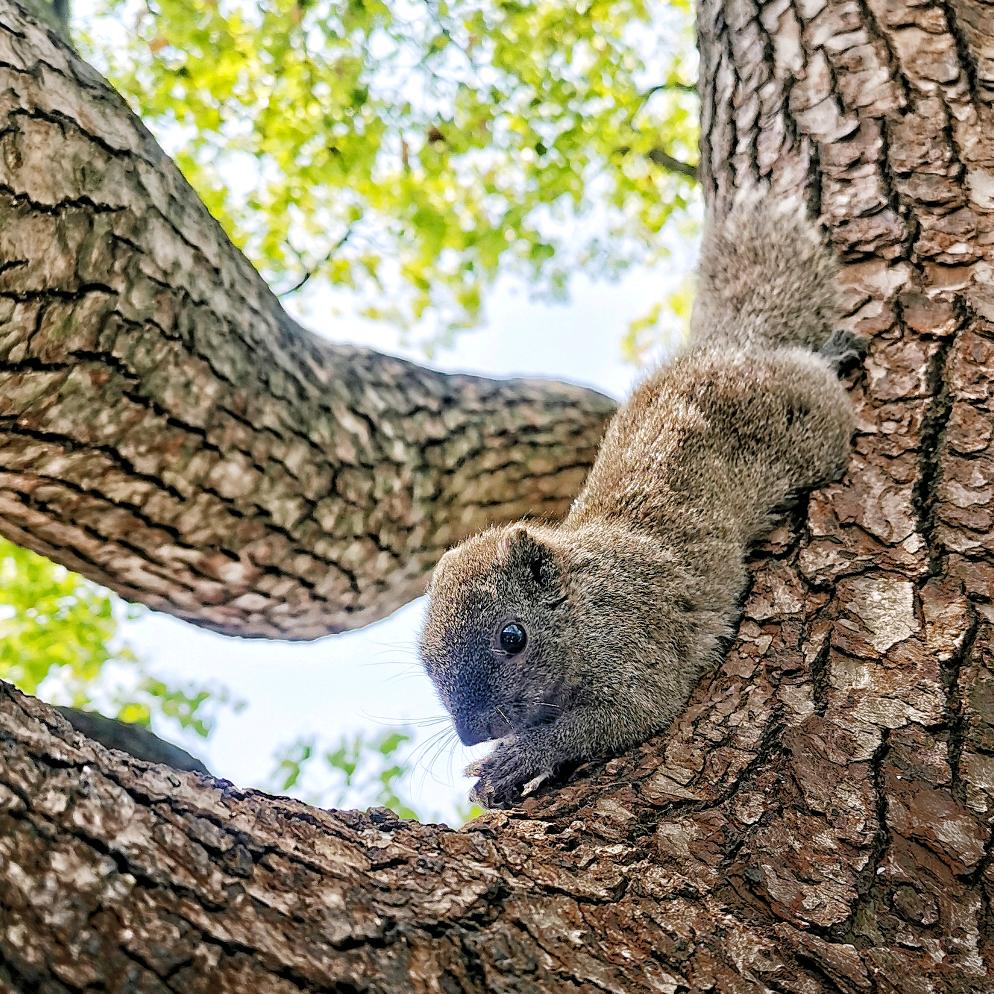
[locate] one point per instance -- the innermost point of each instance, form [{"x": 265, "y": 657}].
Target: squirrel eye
[{"x": 513, "y": 638}]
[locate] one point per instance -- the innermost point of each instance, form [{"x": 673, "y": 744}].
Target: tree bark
[
  {"x": 820, "y": 819},
  {"x": 168, "y": 431}
]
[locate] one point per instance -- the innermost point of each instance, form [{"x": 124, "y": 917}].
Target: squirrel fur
[{"x": 624, "y": 604}]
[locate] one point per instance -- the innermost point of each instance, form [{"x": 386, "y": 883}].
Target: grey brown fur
[{"x": 625, "y": 602}]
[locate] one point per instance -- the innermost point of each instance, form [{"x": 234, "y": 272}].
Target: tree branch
[
  {"x": 242, "y": 474},
  {"x": 673, "y": 86},
  {"x": 329, "y": 255},
  {"x": 666, "y": 161},
  {"x": 821, "y": 817},
  {"x": 139, "y": 742}
]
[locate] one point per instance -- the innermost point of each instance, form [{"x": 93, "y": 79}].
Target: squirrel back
[{"x": 764, "y": 278}]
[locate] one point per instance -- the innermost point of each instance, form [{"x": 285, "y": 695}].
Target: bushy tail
[{"x": 765, "y": 278}]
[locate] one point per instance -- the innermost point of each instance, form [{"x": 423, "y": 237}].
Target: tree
[
  {"x": 283, "y": 486},
  {"x": 346, "y": 152},
  {"x": 819, "y": 819}
]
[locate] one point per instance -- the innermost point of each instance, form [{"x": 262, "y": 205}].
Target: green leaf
[
  {"x": 60, "y": 639},
  {"x": 360, "y": 770}
]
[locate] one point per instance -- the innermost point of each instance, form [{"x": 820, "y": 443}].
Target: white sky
[{"x": 369, "y": 679}]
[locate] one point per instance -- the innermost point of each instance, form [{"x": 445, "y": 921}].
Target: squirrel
[{"x": 578, "y": 640}]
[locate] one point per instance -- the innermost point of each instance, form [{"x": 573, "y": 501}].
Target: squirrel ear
[{"x": 531, "y": 554}]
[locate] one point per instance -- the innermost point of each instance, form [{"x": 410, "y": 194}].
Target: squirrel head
[
  {"x": 525, "y": 622},
  {"x": 489, "y": 641}
]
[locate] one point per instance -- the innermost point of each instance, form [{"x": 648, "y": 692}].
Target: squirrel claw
[
  {"x": 488, "y": 795},
  {"x": 845, "y": 349},
  {"x": 502, "y": 776},
  {"x": 475, "y": 769}
]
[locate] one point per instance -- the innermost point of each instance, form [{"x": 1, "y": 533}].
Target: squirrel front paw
[{"x": 505, "y": 773}]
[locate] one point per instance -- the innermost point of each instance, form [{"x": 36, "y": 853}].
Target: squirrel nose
[{"x": 470, "y": 731}]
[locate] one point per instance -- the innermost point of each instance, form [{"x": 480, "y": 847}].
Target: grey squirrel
[{"x": 580, "y": 639}]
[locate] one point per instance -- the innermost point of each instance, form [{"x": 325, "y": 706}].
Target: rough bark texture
[
  {"x": 821, "y": 818},
  {"x": 167, "y": 430}
]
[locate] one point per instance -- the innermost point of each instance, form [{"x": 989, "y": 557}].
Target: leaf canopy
[{"x": 411, "y": 152}]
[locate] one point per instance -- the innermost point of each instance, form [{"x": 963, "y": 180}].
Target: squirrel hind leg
[{"x": 817, "y": 422}]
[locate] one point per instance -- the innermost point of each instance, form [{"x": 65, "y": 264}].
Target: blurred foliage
[
  {"x": 666, "y": 324},
  {"x": 410, "y": 152},
  {"x": 52, "y": 621},
  {"x": 60, "y": 640},
  {"x": 358, "y": 770}
]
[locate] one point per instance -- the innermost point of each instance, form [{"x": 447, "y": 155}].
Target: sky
[{"x": 369, "y": 680}]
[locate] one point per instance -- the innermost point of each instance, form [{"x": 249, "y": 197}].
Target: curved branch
[{"x": 168, "y": 431}]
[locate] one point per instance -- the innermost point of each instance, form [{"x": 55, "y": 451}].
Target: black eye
[{"x": 513, "y": 638}]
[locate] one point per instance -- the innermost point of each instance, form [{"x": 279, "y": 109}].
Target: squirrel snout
[{"x": 472, "y": 729}]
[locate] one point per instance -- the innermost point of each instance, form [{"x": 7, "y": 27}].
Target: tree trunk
[{"x": 820, "y": 819}]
